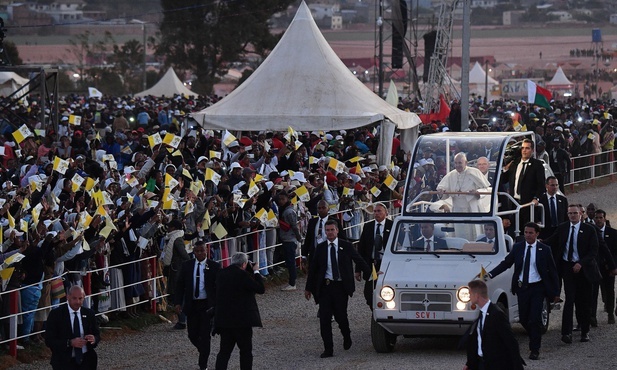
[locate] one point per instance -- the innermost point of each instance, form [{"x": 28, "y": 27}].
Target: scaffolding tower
[{"x": 439, "y": 81}]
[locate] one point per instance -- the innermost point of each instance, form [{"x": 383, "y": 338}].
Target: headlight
[
  {"x": 462, "y": 294},
  {"x": 387, "y": 293}
]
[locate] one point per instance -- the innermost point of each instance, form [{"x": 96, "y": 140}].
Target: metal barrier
[
  {"x": 14, "y": 314},
  {"x": 588, "y": 168}
]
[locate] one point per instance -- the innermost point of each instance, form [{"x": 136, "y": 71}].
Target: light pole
[
  {"x": 486, "y": 82},
  {"x": 143, "y": 30}
]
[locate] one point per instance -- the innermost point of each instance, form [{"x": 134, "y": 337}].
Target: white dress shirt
[
  {"x": 199, "y": 270},
  {"x": 84, "y": 349},
  {"x": 575, "y": 257},
  {"x": 483, "y": 310},
  {"x": 534, "y": 275},
  {"x": 329, "y": 269}
]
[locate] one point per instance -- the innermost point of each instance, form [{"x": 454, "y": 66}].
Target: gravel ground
[{"x": 290, "y": 336}]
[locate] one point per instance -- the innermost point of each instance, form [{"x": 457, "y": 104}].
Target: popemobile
[{"x": 457, "y": 223}]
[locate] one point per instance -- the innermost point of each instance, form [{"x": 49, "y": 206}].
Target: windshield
[
  {"x": 457, "y": 173},
  {"x": 452, "y": 237}
]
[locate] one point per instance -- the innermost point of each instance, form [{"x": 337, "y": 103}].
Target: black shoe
[
  {"x": 347, "y": 343},
  {"x": 567, "y": 338},
  {"x": 534, "y": 355},
  {"x": 593, "y": 322},
  {"x": 578, "y": 328},
  {"x": 326, "y": 354},
  {"x": 180, "y": 326},
  {"x": 585, "y": 337}
]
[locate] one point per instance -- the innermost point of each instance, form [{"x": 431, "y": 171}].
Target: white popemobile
[{"x": 450, "y": 232}]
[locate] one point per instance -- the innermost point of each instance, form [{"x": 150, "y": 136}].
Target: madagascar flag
[{"x": 538, "y": 95}]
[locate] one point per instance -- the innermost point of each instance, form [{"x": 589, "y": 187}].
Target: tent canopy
[
  {"x": 477, "y": 75},
  {"x": 10, "y": 82},
  {"x": 168, "y": 86},
  {"x": 302, "y": 84},
  {"x": 559, "y": 81}
]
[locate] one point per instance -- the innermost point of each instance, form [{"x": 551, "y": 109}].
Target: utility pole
[{"x": 465, "y": 66}]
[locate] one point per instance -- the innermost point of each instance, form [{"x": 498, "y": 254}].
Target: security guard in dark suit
[
  {"x": 331, "y": 281},
  {"x": 535, "y": 279}
]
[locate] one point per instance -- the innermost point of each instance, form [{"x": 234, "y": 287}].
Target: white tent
[
  {"x": 477, "y": 75},
  {"x": 302, "y": 84},
  {"x": 167, "y": 86},
  {"x": 559, "y": 81},
  {"x": 10, "y": 82}
]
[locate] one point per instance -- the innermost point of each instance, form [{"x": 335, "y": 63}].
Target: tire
[
  {"x": 545, "y": 316},
  {"x": 383, "y": 341},
  {"x": 504, "y": 308}
]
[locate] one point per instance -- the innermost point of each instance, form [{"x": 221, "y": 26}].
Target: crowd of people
[{"x": 121, "y": 179}]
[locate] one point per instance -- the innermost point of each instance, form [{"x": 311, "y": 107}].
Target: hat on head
[
  {"x": 233, "y": 144},
  {"x": 234, "y": 165},
  {"x": 7, "y": 232},
  {"x": 202, "y": 158}
]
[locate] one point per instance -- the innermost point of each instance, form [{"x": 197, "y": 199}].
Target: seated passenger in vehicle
[{"x": 428, "y": 242}]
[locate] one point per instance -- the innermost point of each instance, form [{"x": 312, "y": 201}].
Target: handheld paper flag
[
  {"x": 228, "y": 138},
  {"x": 154, "y": 140},
  {"x": 75, "y": 120},
  {"x": 60, "y": 165},
  {"x": 303, "y": 193},
  {"x": 22, "y": 133},
  {"x": 390, "y": 182}
]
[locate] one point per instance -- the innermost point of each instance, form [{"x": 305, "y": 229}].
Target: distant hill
[{"x": 124, "y": 9}]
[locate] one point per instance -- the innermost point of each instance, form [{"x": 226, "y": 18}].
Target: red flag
[{"x": 441, "y": 115}]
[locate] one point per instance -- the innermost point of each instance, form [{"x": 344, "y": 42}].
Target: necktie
[
  {"x": 335, "y": 272},
  {"x": 490, "y": 241},
  {"x": 480, "y": 323},
  {"x": 320, "y": 231},
  {"x": 553, "y": 212},
  {"x": 519, "y": 184},
  {"x": 428, "y": 245},
  {"x": 77, "y": 334},
  {"x": 197, "y": 280},
  {"x": 526, "y": 266},
  {"x": 378, "y": 242},
  {"x": 571, "y": 246}
]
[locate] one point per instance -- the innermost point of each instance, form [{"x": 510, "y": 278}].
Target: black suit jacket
[
  {"x": 610, "y": 238},
  {"x": 606, "y": 261},
  {"x": 561, "y": 203},
  {"x": 185, "y": 289},
  {"x": 438, "y": 243},
  {"x": 308, "y": 248},
  {"x": 533, "y": 180},
  {"x": 367, "y": 240},
  {"x": 499, "y": 347},
  {"x": 60, "y": 330},
  {"x": 319, "y": 265},
  {"x": 544, "y": 263},
  {"x": 587, "y": 245},
  {"x": 236, "y": 306}
]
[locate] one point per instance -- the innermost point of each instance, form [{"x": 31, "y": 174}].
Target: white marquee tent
[
  {"x": 559, "y": 81},
  {"x": 168, "y": 86},
  {"x": 10, "y": 82},
  {"x": 302, "y": 84}
]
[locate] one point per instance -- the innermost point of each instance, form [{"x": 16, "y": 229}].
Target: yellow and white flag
[
  {"x": 90, "y": 183},
  {"x": 154, "y": 140},
  {"x": 25, "y": 205},
  {"x": 262, "y": 215},
  {"x": 189, "y": 208},
  {"x": 214, "y": 154},
  {"x": 337, "y": 165},
  {"x": 313, "y": 160},
  {"x": 187, "y": 174},
  {"x": 272, "y": 221},
  {"x": 11, "y": 219},
  {"x": 253, "y": 189},
  {"x": 93, "y": 92},
  {"x": 228, "y": 138},
  {"x": 172, "y": 140},
  {"x": 170, "y": 204},
  {"x": 303, "y": 193},
  {"x": 206, "y": 222},
  {"x": 375, "y": 191},
  {"x": 60, "y": 165},
  {"x": 347, "y": 192},
  {"x": 220, "y": 231},
  {"x": 77, "y": 181},
  {"x": 23, "y": 225},
  {"x": 390, "y": 182},
  {"x": 212, "y": 176},
  {"x": 75, "y": 120},
  {"x": 22, "y": 133},
  {"x": 36, "y": 213},
  {"x": 170, "y": 182},
  {"x": 196, "y": 187}
]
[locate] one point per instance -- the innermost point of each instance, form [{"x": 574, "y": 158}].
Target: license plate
[{"x": 427, "y": 315}]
